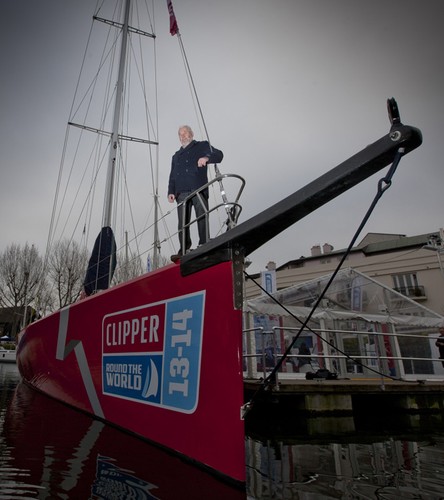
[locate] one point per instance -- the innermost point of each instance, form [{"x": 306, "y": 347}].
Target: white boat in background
[{"x": 7, "y": 355}]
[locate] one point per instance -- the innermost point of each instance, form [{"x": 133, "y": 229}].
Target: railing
[
  {"x": 232, "y": 208},
  {"x": 411, "y": 291},
  {"x": 404, "y": 356}
]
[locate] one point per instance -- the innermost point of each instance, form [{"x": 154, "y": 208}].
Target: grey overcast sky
[{"x": 289, "y": 89}]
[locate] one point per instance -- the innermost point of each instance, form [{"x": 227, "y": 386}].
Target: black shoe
[{"x": 176, "y": 257}]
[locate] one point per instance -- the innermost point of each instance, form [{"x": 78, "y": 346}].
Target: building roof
[
  {"x": 397, "y": 244},
  {"x": 372, "y": 243}
]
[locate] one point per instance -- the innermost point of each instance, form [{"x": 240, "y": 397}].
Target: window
[
  {"x": 407, "y": 284},
  {"x": 405, "y": 280}
]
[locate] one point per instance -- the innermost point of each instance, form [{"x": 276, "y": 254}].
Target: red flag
[{"x": 174, "y": 29}]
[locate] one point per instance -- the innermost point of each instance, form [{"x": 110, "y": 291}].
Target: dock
[
  {"x": 327, "y": 409},
  {"x": 349, "y": 395}
]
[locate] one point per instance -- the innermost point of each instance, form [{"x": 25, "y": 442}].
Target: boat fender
[{"x": 321, "y": 373}]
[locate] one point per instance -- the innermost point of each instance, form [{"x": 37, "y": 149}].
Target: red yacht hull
[{"x": 159, "y": 356}]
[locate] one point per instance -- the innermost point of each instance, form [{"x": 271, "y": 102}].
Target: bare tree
[
  {"x": 66, "y": 271},
  {"x": 128, "y": 269},
  {"x": 20, "y": 275},
  {"x": 45, "y": 302},
  {"x": 134, "y": 266}
]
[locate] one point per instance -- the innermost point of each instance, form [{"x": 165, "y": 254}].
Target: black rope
[{"x": 383, "y": 185}]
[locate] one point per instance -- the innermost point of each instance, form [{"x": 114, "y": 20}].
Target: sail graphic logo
[{"x": 152, "y": 354}]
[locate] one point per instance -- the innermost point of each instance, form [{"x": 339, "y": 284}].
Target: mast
[
  {"x": 156, "y": 243},
  {"x": 103, "y": 260},
  {"x": 109, "y": 192}
]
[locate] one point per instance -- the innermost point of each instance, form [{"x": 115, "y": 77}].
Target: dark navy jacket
[{"x": 185, "y": 175}]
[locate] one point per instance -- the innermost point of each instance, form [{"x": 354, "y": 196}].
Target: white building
[
  {"x": 384, "y": 309},
  {"x": 411, "y": 265}
]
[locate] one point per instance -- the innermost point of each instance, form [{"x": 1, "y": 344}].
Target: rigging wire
[
  {"x": 231, "y": 221},
  {"x": 58, "y": 185},
  {"x": 58, "y": 222},
  {"x": 73, "y": 112},
  {"x": 383, "y": 185},
  {"x": 84, "y": 102},
  {"x": 306, "y": 327},
  {"x": 152, "y": 124},
  {"x": 110, "y": 55},
  {"x": 54, "y": 220}
]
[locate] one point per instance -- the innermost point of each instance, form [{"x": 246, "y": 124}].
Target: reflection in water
[
  {"x": 50, "y": 451},
  {"x": 370, "y": 455},
  {"x": 387, "y": 469}
]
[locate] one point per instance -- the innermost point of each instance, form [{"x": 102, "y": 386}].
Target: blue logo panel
[
  {"x": 155, "y": 361},
  {"x": 182, "y": 352},
  {"x": 133, "y": 376}
]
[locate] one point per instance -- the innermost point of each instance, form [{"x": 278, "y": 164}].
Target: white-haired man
[{"x": 189, "y": 172}]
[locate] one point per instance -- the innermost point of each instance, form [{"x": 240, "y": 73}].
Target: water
[{"x": 50, "y": 451}]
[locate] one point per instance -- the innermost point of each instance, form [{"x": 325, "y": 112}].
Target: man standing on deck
[{"x": 189, "y": 172}]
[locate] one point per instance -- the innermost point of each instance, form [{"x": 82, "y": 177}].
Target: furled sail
[{"x": 102, "y": 263}]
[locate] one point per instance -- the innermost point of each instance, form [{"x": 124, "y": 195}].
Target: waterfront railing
[{"x": 408, "y": 355}]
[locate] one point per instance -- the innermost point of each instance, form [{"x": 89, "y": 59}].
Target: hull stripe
[{"x": 63, "y": 352}]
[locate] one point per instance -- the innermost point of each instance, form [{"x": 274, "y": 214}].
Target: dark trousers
[{"x": 200, "y": 205}]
